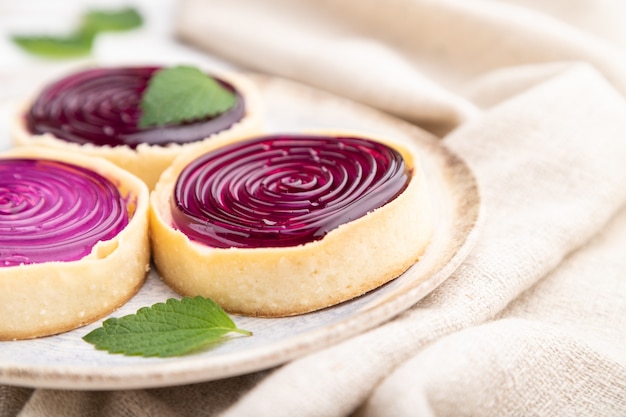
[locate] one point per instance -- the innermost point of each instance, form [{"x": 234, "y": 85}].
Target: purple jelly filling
[
  {"x": 101, "y": 106},
  {"x": 280, "y": 191},
  {"x": 54, "y": 211}
]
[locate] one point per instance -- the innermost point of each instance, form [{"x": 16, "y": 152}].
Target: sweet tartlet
[
  {"x": 97, "y": 111},
  {"x": 74, "y": 240},
  {"x": 280, "y": 225}
]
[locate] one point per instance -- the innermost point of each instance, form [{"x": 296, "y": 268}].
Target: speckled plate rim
[{"x": 454, "y": 190}]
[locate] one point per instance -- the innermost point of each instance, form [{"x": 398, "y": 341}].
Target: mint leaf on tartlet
[
  {"x": 174, "y": 328},
  {"x": 182, "y": 94}
]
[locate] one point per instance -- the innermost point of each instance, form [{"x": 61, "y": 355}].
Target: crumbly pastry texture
[
  {"x": 53, "y": 297},
  {"x": 149, "y": 161},
  {"x": 349, "y": 261}
]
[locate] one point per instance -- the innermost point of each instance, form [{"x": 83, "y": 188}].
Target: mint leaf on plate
[
  {"x": 182, "y": 94},
  {"x": 75, "y": 45},
  {"x": 96, "y": 21},
  {"x": 173, "y": 328}
]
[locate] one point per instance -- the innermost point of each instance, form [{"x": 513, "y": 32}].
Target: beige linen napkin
[
  {"x": 409, "y": 57},
  {"x": 532, "y": 323},
  {"x": 548, "y": 188}
]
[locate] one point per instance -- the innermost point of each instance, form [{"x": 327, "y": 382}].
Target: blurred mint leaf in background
[
  {"x": 72, "y": 46},
  {"x": 97, "y": 21},
  {"x": 80, "y": 42}
]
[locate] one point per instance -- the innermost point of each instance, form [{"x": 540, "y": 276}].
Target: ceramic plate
[{"x": 66, "y": 361}]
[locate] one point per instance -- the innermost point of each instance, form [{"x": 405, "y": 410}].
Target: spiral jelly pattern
[
  {"x": 284, "y": 190},
  {"x": 54, "y": 211},
  {"x": 101, "y": 106}
]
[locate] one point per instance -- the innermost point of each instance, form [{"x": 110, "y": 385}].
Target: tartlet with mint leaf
[{"x": 140, "y": 118}]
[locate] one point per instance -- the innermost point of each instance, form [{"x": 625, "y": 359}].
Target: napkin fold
[
  {"x": 532, "y": 323},
  {"x": 548, "y": 189},
  {"x": 411, "y": 58}
]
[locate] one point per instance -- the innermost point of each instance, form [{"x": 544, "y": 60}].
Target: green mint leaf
[
  {"x": 173, "y": 328},
  {"x": 72, "y": 46},
  {"x": 80, "y": 42},
  {"x": 96, "y": 21},
  {"x": 182, "y": 94}
]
